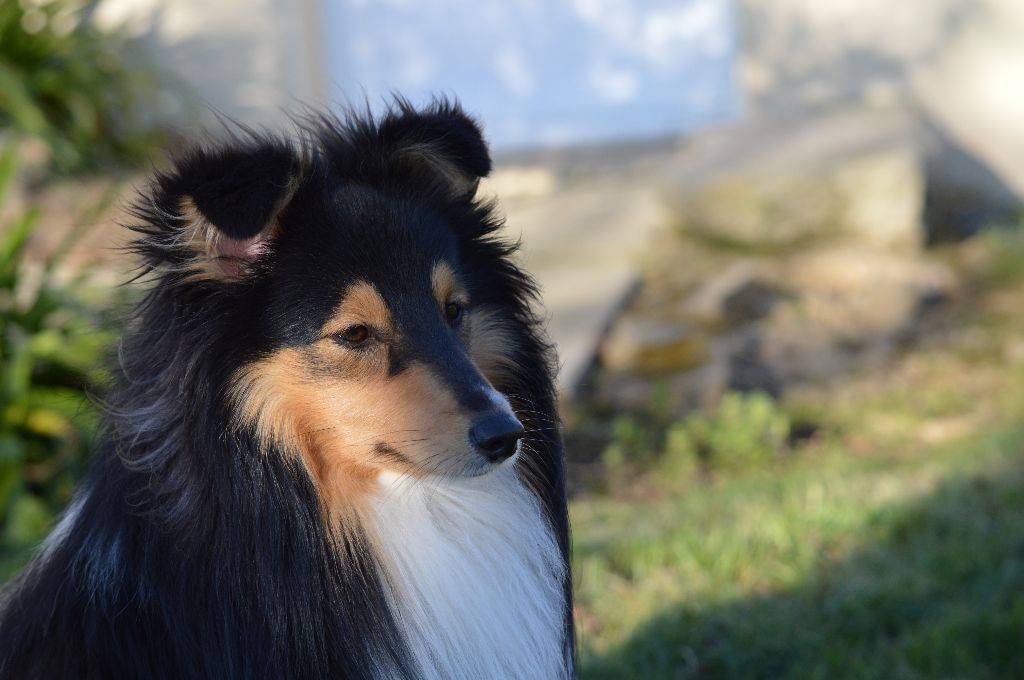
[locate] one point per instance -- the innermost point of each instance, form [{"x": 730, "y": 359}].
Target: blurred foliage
[
  {"x": 634, "y": 441},
  {"x": 743, "y": 430},
  {"x": 1003, "y": 255},
  {"x": 50, "y": 353},
  {"x": 80, "y": 90}
]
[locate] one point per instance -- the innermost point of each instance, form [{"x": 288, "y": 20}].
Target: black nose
[{"x": 495, "y": 435}]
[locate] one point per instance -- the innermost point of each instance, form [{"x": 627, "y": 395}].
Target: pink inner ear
[{"x": 236, "y": 254}]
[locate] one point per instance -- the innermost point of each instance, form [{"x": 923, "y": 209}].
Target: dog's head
[{"x": 368, "y": 315}]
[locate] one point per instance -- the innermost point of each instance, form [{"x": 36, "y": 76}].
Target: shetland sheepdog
[{"x": 332, "y": 447}]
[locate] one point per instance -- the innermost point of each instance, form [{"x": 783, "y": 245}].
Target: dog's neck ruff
[{"x": 475, "y": 575}]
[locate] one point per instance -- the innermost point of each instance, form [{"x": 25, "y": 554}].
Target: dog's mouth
[
  {"x": 492, "y": 439},
  {"x": 463, "y": 463},
  {"x": 479, "y": 466}
]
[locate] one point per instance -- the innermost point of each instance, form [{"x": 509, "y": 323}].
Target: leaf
[
  {"x": 28, "y": 519},
  {"x": 69, "y": 403},
  {"x": 14, "y": 243},
  {"x": 17, "y": 374},
  {"x": 17, "y": 101},
  {"x": 11, "y": 455},
  {"x": 8, "y": 168},
  {"x": 48, "y": 423}
]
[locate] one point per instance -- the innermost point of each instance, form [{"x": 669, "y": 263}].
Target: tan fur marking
[
  {"x": 446, "y": 286},
  {"x": 443, "y": 282},
  {"x": 338, "y": 411},
  {"x": 201, "y": 238},
  {"x": 333, "y": 421},
  {"x": 492, "y": 343},
  {"x": 361, "y": 304}
]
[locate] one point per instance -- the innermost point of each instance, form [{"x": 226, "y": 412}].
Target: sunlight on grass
[{"x": 837, "y": 567}]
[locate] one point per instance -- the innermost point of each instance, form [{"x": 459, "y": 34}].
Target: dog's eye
[
  {"x": 453, "y": 312},
  {"x": 354, "y": 335}
]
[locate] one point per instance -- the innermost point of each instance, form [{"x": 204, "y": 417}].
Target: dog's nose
[{"x": 495, "y": 435}]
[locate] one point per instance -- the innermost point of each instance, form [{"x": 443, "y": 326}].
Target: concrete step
[{"x": 583, "y": 245}]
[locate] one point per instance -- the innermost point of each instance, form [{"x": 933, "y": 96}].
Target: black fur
[
  {"x": 196, "y": 554},
  {"x": 236, "y": 188}
]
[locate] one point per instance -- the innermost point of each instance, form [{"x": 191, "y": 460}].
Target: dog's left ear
[
  {"x": 227, "y": 202},
  {"x": 440, "y": 140}
]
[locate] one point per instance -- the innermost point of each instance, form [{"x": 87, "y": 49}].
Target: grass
[
  {"x": 890, "y": 544},
  {"x": 835, "y": 567}
]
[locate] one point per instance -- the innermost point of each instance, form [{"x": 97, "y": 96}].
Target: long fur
[
  {"x": 196, "y": 548},
  {"x": 474, "y": 558}
]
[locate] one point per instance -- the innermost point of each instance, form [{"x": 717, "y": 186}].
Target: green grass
[
  {"x": 832, "y": 567},
  {"x": 888, "y": 545}
]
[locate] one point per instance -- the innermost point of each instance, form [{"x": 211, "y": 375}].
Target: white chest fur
[{"x": 476, "y": 576}]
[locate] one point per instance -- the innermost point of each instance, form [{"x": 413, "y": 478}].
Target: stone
[
  {"x": 778, "y": 183},
  {"x": 761, "y": 211},
  {"x": 881, "y": 199},
  {"x": 742, "y": 291},
  {"x": 664, "y": 394},
  {"x": 652, "y": 347},
  {"x": 880, "y": 284},
  {"x": 752, "y": 300},
  {"x": 848, "y": 309},
  {"x": 583, "y": 247}
]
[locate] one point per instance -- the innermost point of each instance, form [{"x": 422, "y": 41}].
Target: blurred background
[{"x": 782, "y": 253}]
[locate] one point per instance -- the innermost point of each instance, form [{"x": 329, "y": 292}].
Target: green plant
[
  {"x": 1003, "y": 255},
  {"x": 743, "y": 430},
  {"x": 633, "y": 441},
  {"x": 75, "y": 87},
  {"x": 52, "y": 340}
]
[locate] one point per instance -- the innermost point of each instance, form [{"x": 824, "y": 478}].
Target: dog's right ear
[
  {"x": 218, "y": 212},
  {"x": 440, "y": 140}
]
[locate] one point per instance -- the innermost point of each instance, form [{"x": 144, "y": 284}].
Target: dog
[{"x": 332, "y": 447}]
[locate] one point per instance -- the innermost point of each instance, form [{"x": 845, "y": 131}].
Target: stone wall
[{"x": 958, "y": 64}]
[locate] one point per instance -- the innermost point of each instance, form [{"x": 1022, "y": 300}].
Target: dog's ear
[
  {"x": 226, "y": 203},
  {"x": 440, "y": 140}
]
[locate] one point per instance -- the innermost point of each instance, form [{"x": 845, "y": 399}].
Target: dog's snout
[{"x": 495, "y": 435}]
